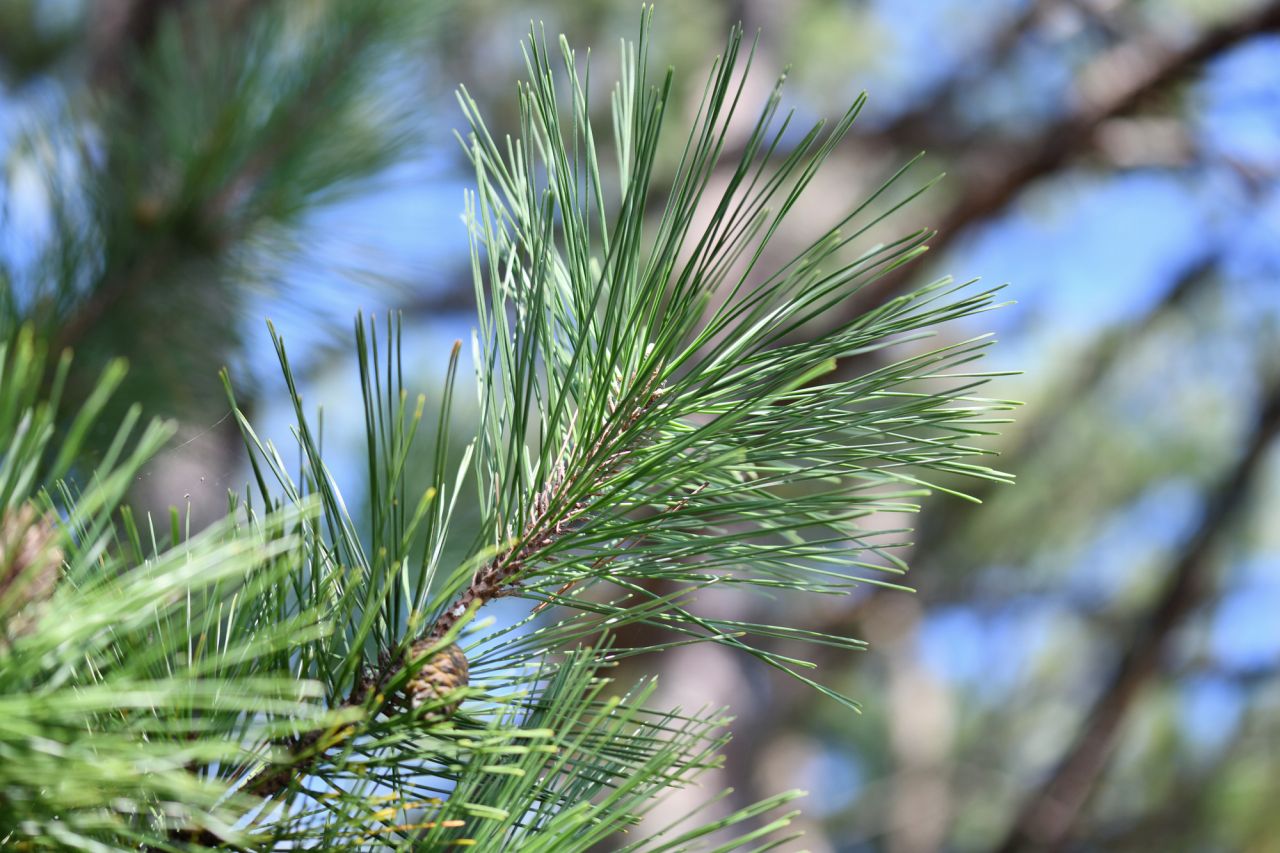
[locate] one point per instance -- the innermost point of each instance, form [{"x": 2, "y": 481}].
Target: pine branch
[
  {"x": 213, "y": 160},
  {"x": 553, "y": 515},
  {"x": 645, "y": 413},
  {"x": 551, "y": 519}
]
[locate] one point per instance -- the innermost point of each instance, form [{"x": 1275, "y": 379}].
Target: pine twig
[
  {"x": 166, "y": 252},
  {"x": 547, "y": 524},
  {"x": 601, "y": 562}
]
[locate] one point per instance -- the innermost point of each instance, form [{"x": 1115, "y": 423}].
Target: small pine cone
[
  {"x": 441, "y": 674},
  {"x": 30, "y": 564}
]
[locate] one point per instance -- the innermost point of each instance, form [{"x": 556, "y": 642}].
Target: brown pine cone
[
  {"x": 442, "y": 673},
  {"x": 30, "y": 565}
]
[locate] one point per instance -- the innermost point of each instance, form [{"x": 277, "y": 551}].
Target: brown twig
[
  {"x": 550, "y": 521},
  {"x": 601, "y": 562}
]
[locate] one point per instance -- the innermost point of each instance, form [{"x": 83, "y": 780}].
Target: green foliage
[
  {"x": 661, "y": 418},
  {"x": 130, "y": 666}
]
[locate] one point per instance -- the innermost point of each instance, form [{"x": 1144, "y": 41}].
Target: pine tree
[{"x": 664, "y": 414}]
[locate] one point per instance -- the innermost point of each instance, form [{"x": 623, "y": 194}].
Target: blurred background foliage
[{"x": 1091, "y": 659}]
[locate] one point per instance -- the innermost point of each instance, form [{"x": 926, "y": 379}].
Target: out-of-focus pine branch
[
  {"x": 206, "y": 132},
  {"x": 129, "y": 655}
]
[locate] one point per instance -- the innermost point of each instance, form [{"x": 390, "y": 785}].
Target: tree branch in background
[
  {"x": 917, "y": 127},
  {"x": 1131, "y": 72},
  {"x": 1047, "y": 817},
  {"x": 1183, "y": 809},
  {"x": 122, "y": 27}
]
